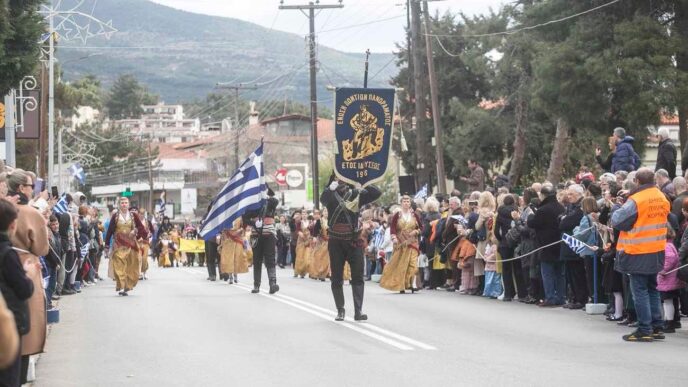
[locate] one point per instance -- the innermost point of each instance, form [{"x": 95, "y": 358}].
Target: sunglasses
[{"x": 29, "y": 185}]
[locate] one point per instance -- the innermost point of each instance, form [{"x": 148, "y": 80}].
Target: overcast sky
[{"x": 379, "y": 37}]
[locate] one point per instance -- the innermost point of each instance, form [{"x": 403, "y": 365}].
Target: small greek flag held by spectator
[
  {"x": 244, "y": 192},
  {"x": 84, "y": 250},
  {"x": 61, "y": 206},
  {"x": 423, "y": 193},
  {"x": 78, "y": 172},
  {"x": 574, "y": 244}
]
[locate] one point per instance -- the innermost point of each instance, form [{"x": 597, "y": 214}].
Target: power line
[
  {"x": 517, "y": 30},
  {"x": 362, "y": 24}
]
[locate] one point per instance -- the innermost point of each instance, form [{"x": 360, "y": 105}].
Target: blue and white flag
[
  {"x": 245, "y": 191},
  {"x": 576, "y": 245},
  {"x": 78, "y": 172},
  {"x": 61, "y": 206},
  {"x": 162, "y": 204},
  {"x": 423, "y": 193}
]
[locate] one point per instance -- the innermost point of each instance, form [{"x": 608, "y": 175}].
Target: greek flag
[
  {"x": 574, "y": 244},
  {"x": 162, "y": 203},
  {"x": 423, "y": 193},
  {"x": 244, "y": 191},
  {"x": 77, "y": 172},
  {"x": 61, "y": 206}
]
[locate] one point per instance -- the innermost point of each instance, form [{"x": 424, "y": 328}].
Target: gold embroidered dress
[
  {"x": 232, "y": 253},
  {"x": 398, "y": 274},
  {"x": 303, "y": 252},
  {"x": 125, "y": 258},
  {"x": 320, "y": 265}
]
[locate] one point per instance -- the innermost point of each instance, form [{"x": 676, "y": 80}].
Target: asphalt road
[{"x": 177, "y": 329}]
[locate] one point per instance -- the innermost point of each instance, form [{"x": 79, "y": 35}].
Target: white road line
[
  {"x": 372, "y": 327},
  {"x": 328, "y": 314},
  {"x": 394, "y": 339}
]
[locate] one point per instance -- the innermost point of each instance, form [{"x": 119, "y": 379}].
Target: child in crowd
[
  {"x": 669, "y": 285},
  {"x": 493, "y": 280}
]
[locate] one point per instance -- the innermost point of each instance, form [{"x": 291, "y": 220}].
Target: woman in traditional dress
[
  {"x": 320, "y": 265},
  {"x": 177, "y": 240},
  {"x": 303, "y": 247},
  {"x": 405, "y": 228},
  {"x": 233, "y": 253},
  {"x": 127, "y": 228},
  {"x": 164, "y": 250}
]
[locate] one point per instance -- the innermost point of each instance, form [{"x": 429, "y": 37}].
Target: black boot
[
  {"x": 340, "y": 315},
  {"x": 338, "y": 294},
  {"x": 272, "y": 276},
  {"x": 256, "y": 288},
  {"x": 358, "y": 302}
]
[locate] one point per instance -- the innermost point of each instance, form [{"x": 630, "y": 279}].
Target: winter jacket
[
  {"x": 677, "y": 206},
  {"x": 15, "y": 286},
  {"x": 669, "y": 282},
  {"x": 428, "y": 218},
  {"x": 571, "y": 219},
  {"x": 504, "y": 224},
  {"x": 605, "y": 164},
  {"x": 666, "y": 157},
  {"x": 545, "y": 222},
  {"x": 625, "y": 158},
  {"x": 624, "y": 219}
]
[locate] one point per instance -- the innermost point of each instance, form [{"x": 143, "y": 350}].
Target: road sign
[
  {"x": 295, "y": 178},
  {"x": 281, "y": 177},
  {"x": 127, "y": 193}
]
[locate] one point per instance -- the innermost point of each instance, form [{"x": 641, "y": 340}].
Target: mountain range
[{"x": 182, "y": 56}]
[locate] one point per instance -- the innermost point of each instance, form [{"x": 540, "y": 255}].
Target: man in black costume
[
  {"x": 263, "y": 240},
  {"x": 343, "y": 203},
  {"x": 212, "y": 256}
]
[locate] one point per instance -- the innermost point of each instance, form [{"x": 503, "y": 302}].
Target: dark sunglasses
[{"x": 29, "y": 185}]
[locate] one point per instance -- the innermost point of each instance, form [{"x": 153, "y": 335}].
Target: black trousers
[
  {"x": 512, "y": 275},
  {"x": 283, "y": 250},
  {"x": 342, "y": 251},
  {"x": 579, "y": 282},
  {"x": 264, "y": 253},
  {"x": 211, "y": 256}
]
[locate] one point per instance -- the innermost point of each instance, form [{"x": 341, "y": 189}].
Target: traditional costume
[
  {"x": 233, "y": 253},
  {"x": 264, "y": 241},
  {"x": 303, "y": 249},
  {"x": 399, "y": 273},
  {"x": 344, "y": 245},
  {"x": 127, "y": 228},
  {"x": 320, "y": 262}
]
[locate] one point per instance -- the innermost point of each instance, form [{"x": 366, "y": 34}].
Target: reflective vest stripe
[
  {"x": 650, "y": 227},
  {"x": 637, "y": 241}
]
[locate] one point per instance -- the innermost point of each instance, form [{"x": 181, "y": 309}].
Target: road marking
[
  {"x": 367, "y": 329},
  {"x": 402, "y": 342},
  {"x": 372, "y": 327}
]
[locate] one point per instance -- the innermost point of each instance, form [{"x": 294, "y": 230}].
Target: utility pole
[
  {"x": 51, "y": 104},
  {"x": 236, "y": 89},
  {"x": 439, "y": 151},
  {"x": 151, "y": 208},
  {"x": 311, "y": 7},
  {"x": 422, "y": 177}
]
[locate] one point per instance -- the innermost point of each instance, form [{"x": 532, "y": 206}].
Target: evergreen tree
[{"x": 21, "y": 27}]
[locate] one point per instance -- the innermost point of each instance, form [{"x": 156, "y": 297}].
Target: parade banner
[
  {"x": 192, "y": 245},
  {"x": 363, "y": 131}
]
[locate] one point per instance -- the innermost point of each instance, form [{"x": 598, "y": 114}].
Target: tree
[
  {"x": 21, "y": 27},
  {"x": 126, "y": 97}
]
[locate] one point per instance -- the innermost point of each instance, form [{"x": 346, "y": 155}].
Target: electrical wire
[{"x": 517, "y": 30}]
